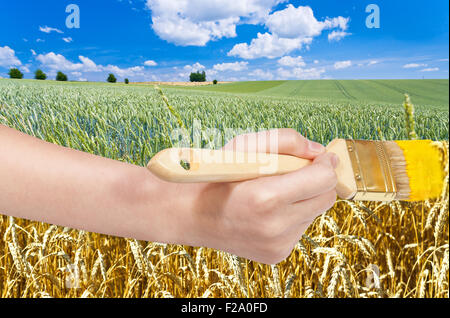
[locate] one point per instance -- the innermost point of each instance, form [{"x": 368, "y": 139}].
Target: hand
[{"x": 263, "y": 219}]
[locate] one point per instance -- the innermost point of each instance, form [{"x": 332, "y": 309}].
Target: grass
[
  {"x": 423, "y": 92},
  {"x": 354, "y": 250},
  {"x": 243, "y": 87}
]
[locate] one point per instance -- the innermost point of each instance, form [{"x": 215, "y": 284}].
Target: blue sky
[{"x": 150, "y": 40}]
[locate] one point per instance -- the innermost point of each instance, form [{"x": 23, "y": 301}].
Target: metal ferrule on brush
[{"x": 372, "y": 171}]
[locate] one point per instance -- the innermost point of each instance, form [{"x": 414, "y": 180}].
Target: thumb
[
  {"x": 328, "y": 159},
  {"x": 287, "y": 142}
]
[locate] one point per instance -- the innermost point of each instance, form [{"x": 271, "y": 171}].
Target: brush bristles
[
  {"x": 417, "y": 168},
  {"x": 399, "y": 170}
]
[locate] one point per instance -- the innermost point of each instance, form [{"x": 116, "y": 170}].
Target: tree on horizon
[
  {"x": 198, "y": 77},
  {"x": 40, "y": 75},
  {"x": 111, "y": 78},
  {"x": 15, "y": 73},
  {"x": 60, "y": 76}
]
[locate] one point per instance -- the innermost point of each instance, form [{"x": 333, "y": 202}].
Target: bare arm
[
  {"x": 260, "y": 219},
  {"x": 45, "y": 182}
]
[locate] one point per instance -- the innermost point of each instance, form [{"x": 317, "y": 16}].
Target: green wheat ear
[
  {"x": 173, "y": 112},
  {"x": 171, "y": 109},
  {"x": 380, "y": 134},
  {"x": 409, "y": 118}
]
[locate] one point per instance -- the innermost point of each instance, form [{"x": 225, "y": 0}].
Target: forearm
[
  {"x": 260, "y": 219},
  {"x": 49, "y": 183}
]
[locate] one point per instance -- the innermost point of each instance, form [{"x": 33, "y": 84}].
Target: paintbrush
[{"x": 367, "y": 170}]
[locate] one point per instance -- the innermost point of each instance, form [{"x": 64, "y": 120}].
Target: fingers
[
  {"x": 282, "y": 141},
  {"x": 296, "y": 218},
  {"x": 304, "y": 184},
  {"x": 280, "y": 230},
  {"x": 305, "y": 212}
]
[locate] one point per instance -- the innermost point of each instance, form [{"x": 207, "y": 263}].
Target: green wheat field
[{"x": 356, "y": 249}]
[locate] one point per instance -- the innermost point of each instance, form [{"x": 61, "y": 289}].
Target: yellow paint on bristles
[{"x": 424, "y": 168}]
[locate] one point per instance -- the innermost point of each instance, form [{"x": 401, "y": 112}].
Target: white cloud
[
  {"x": 337, "y": 23},
  {"x": 33, "y": 52},
  {"x": 211, "y": 72},
  {"x": 369, "y": 63},
  {"x": 183, "y": 74},
  {"x": 294, "y": 22},
  {"x": 290, "y": 29},
  {"x": 267, "y": 45},
  {"x": 25, "y": 68},
  {"x": 8, "y": 57},
  {"x": 292, "y": 61},
  {"x": 300, "y": 22},
  {"x": 236, "y": 66},
  {"x": 89, "y": 65},
  {"x": 337, "y": 35},
  {"x": 414, "y": 65},
  {"x": 316, "y": 61},
  {"x": 39, "y": 40},
  {"x": 150, "y": 63},
  {"x": 123, "y": 72},
  {"x": 81, "y": 79},
  {"x": 342, "y": 64},
  {"x": 184, "y": 32},
  {"x": 58, "y": 62},
  {"x": 47, "y": 29},
  {"x": 68, "y": 39},
  {"x": 78, "y": 74},
  {"x": 434, "y": 69},
  {"x": 300, "y": 73},
  {"x": 194, "y": 67},
  {"x": 259, "y": 74},
  {"x": 196, "y": 22}
]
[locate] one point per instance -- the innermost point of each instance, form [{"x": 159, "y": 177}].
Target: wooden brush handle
[
  {"x": 227, "y": 166},
  {"x": 220, "y": 166}
]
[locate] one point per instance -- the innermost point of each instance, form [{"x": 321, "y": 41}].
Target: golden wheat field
[
  {"x": 398, "y": 249},
  {"x": 356, "y": 249}
]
